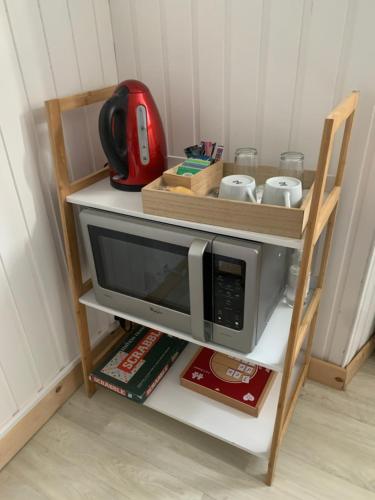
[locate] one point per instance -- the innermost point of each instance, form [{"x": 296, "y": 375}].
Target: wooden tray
[{"x": 270, "y": 219}]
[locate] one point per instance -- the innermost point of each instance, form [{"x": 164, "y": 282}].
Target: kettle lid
[{"x": 133, "y": 86}]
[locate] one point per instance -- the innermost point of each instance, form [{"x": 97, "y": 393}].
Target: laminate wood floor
[{"x": 109, "y": 448}]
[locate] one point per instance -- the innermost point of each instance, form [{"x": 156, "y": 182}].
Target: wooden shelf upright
[
  {"x": 303, "y": 320},
  {"x": 321, "y": 215}
]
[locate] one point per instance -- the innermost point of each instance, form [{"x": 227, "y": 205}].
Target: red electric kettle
[{"x": 132, "y": 136}]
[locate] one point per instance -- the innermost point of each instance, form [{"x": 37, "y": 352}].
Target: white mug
[
  {"x": 238, "y": 187},
  {"x": 284, "y": 191}
]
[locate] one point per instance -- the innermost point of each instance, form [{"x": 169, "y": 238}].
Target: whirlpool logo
[{"x": 154, "y": 310}]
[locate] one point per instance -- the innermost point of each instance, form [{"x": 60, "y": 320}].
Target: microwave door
[{"x": 197, "y": 287}]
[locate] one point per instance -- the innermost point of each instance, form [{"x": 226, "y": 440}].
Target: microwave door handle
[{"x": 195, "y": 259}]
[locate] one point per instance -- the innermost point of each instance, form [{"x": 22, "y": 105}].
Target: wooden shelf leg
[
  {"x": 285, "y": 408},
  {"x": 272, "y": 465},
  {"x": 70, "y": 239},
  {"x": 283, "y": 416},
  {"x": 85, "y": 348},
  {"x": 310, "y": 337},
  {"x": 76, "y": 286}
]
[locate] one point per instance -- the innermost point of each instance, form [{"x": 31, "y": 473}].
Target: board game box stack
[
  {"x": 237, "y": 383},
  {"x": 136, "y": 367}
]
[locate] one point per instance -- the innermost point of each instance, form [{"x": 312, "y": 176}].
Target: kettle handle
[{"x": 112, "y": 130}]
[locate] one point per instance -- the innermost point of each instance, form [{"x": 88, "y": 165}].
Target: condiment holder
[{"x": 198, "y": 183}]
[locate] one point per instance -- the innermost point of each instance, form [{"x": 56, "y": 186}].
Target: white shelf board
[
  {"x": 103, "y": 196},
  {"x": 252, "y": 434},
  {"x": 269, "y": 352}
]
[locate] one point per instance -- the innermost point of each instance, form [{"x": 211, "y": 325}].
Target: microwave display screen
[
  {"x": 230, "y": 267},
  {"x": 142, "y": 267}
]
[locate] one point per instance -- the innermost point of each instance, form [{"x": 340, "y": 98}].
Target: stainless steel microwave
[{"x": 217, "y": 289}]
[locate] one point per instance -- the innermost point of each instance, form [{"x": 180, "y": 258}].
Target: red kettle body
[{"x": 132, "y": 136}]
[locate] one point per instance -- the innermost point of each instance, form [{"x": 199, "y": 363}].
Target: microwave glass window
[{"x": 141, "y": 267}]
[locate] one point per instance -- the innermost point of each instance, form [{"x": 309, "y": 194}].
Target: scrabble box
[
  {"x": 231, "y": 381},
  {"x": 136, "y": 367}
]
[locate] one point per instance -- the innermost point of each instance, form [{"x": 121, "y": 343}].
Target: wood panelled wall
[
  {"x": 242, "y": 72},
  {"x": 265, "y": 73},
  {"x": 47, "y": 49}
]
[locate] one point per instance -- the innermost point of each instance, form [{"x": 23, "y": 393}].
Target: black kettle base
[{"x": 126, "y": 187}]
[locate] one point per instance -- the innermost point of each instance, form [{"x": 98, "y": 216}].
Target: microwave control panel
[{"x": 229, "y": 292}]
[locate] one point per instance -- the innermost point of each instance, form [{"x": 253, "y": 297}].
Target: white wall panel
[
  {"x": 364, "y": 323},
  {"x": 33, "y": 232},
  {"x": 124, "y": 33},
  {"x": 150, "y": 53},
  {"x": 86, "y": 43},
  {"x": 89, "y": 66},
  {"x": 351, "y": 248},
  {"x": 58, "y": 30},
  {"x": 178, "y": 54},
  {"x": 317, "y": 74},
  {"x": 60, "y": 46},
  {"x": 47, "y": 49},
  {"x": 17, "y": 126},
  {"x": 15, "y": 354},
  {"x": 209, "y": 22},
  {"x": 105, "y": 41},
  {"x": 17, "y": 257},
  {"x": 90, "y": 63},
  {"x": 8, "y": 406},
  {"x": 280, "y": 57},
  {"x": 32, "y": 53},
  {"x": 108, "y": 68},
  {"x": 244, "y": 28},
  {"x": 71, "y": 34}
]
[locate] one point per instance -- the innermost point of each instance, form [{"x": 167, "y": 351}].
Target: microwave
[{"x": 217, "y": 289}]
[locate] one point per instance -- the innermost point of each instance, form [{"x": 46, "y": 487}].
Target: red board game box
[{"x": 231, "y": 381}]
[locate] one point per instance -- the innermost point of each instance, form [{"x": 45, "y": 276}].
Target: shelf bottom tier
[{"x": 252, "y": 434}]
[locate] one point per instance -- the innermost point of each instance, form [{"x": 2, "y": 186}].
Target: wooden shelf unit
[{"x": 262, "y": 436}]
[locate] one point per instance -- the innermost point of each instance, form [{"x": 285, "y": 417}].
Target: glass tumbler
[
  {"x": 291, "y": 164},
  {"x": 293, "y": 274},
  {"x": 246, "y": 157}
]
